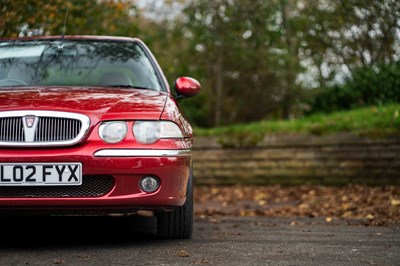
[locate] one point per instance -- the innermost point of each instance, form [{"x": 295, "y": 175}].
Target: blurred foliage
[
  {"x": 264, "y": 59},
  {"x": 36, "y": 17},
  {"x": 261, "y": 59},
  {"x": 369, "y": 85},
  {"x": 246, "y": 52}
]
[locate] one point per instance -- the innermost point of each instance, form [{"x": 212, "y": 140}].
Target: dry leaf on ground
[{"x": 370, "y": 204}]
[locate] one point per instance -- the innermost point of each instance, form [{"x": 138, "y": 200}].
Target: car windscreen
[{"x": 76, "y": 63}]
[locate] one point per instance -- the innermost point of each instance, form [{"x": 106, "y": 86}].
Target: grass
[{"x": 376, "y": 121}]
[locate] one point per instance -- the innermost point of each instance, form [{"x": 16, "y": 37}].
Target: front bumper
[{"x": 126, "y": 166}]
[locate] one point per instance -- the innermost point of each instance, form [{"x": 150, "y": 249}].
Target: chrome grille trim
[{"x": 52, "y": 128}]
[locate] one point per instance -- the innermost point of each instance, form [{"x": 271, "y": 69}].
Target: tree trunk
[
  {"x": 290, "y": 75},
  {"x": 219, "y": 90}
]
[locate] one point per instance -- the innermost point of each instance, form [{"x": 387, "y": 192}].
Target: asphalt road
[{"x": 229, "y": 241}]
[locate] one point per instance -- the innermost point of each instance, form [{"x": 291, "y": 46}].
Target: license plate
[{"x": 42, "y": 174}]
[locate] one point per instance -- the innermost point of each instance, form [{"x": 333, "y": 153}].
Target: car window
[{"x": 75, "y": 63}]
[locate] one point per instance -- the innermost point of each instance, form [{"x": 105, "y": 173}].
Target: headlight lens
[
  {"x": 147, "y": 132},
  {"x": 113, "y": 132}
]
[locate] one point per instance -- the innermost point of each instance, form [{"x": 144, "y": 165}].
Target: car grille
[
  {"x": 48, "y": 129},
  {"x": 57, "y": 129},
  {"x": 42, "y": 128},
  {"x": 92, "y": 186},
  {"x": 12, "y": 129}
]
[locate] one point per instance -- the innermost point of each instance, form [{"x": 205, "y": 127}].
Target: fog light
[{"x": 149, "y": 184}]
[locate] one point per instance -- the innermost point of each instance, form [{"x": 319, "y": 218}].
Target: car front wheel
[{"x": 178, "y": 223}]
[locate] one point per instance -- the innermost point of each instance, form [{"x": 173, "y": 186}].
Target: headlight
[
  {"x": 148, "y": 132},
  {"x": 113, "y": 132}
]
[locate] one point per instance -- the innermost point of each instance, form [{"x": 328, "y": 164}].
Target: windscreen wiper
[{"x": 128, "y": 86}]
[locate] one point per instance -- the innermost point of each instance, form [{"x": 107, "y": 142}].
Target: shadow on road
[
  {"x": 64, "y": 231},
  {"x": 217, "y": 241}
]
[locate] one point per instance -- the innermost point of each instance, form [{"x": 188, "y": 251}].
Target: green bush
[{"x": 373, "y": 85}]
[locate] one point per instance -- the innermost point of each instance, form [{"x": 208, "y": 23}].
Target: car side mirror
[{"x": 186, "y": 87}]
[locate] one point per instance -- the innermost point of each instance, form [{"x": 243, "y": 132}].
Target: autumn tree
[{"x": 35, "y": 17}]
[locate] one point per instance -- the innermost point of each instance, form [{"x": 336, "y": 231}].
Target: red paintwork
[
  {"x": 187, "y": 86},
  {"x": 102, "y": 104},
  {"x": 97, "y": 103},
  {"x": 175, "y": 115}
]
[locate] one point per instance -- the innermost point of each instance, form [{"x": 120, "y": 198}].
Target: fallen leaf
[
  {"x": 59, "y": 261},
  {"x": 242, "y": 213},
  {"x": 202, "y": 261},
  {"x": 260, "y": 195},
  {"x": 328, "y": 219},
  {"x": 304, "y": 206},
  {"x": 369, "y": 216},
  {"x": 395, "y": 202},
  {"x": 182, "y": 253},
  {"x": 345, "y": 206},
  {"x": 347, "y": 214}
]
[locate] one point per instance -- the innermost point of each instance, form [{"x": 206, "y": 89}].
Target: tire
[{"x": 178, "y": 223}]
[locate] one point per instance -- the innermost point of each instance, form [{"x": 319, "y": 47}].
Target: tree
[
  {"x": 34, "y": 17},
  {"x": 341, "y": 36},
  {"x": 248, "y": 54}
]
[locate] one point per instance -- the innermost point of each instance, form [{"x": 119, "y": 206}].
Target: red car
[{"x": 88, "y": 125}]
